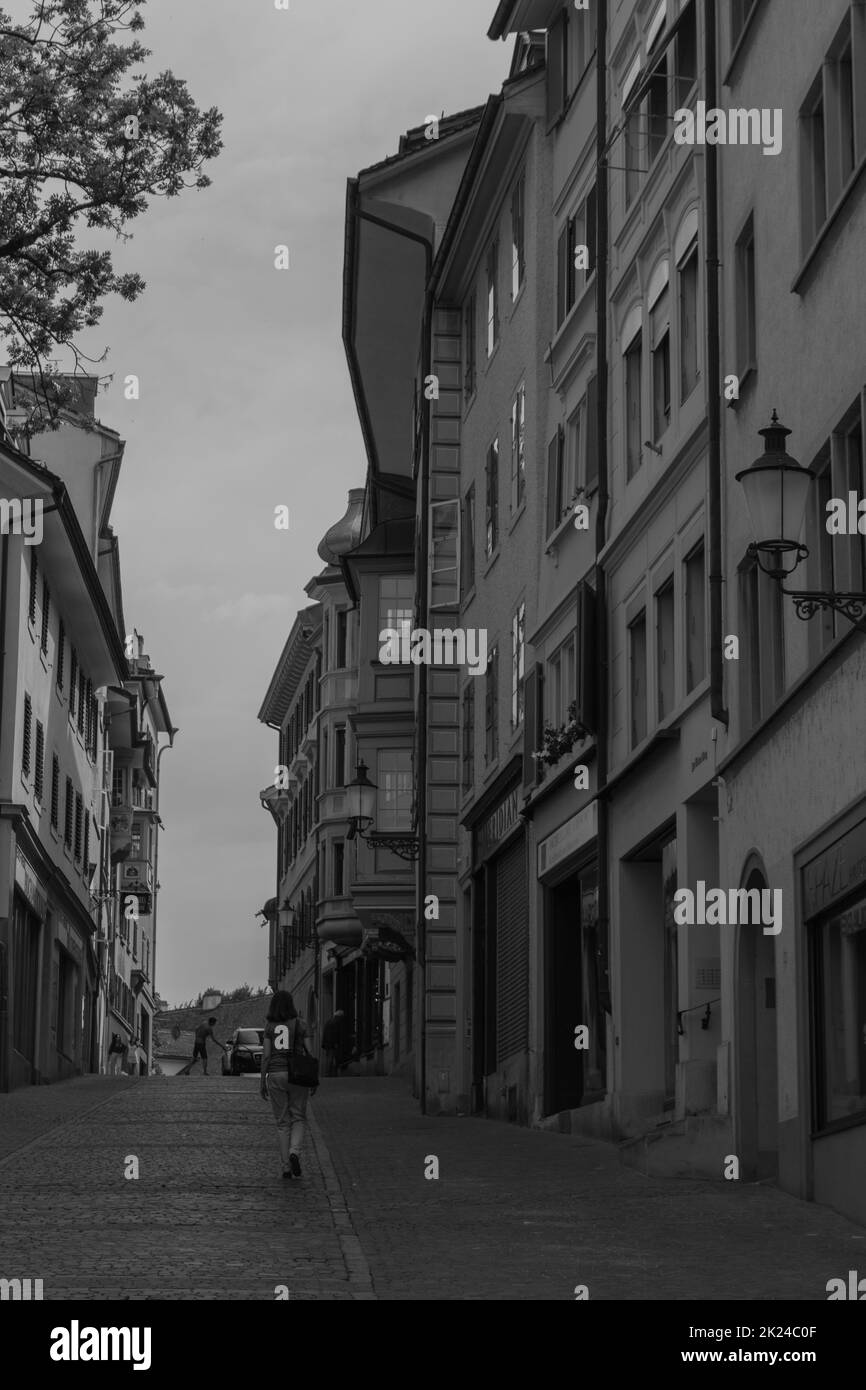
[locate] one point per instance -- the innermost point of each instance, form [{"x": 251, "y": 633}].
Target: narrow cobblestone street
[{"x": 514, "y": 1214}]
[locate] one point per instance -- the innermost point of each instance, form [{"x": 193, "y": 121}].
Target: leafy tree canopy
[{"x": 86, "y": 140}]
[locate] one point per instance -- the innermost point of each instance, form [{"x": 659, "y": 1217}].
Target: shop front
[
  {"x": 832, "y": 882},
  {"x": 574, "y": 1018},
  {"x": 500, "y": 955}
]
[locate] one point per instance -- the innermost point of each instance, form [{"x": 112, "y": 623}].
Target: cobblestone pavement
[{"x": 514, "y": 1213}]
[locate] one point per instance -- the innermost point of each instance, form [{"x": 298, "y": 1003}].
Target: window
[
  {"x": 518, "y": 249},
  {"x": 469, "y": 338},
  {"x": 696, "y": 618},
  {"x": 491, "y": 516},
  {"x": 73, "y": 683},
  {"x": 848, "y": 476},
  {"x": 688, "y": 273},
  {"x": 839, "y": 971},
  {"x": 633, "y": 154},
  {"x": 46, "y": 612},
  {"x": 518, "y": 665},
  {"x": 813, "y": 166},
  {"x": 685, "y": 56},
  {"x": 762, "y": 672},
  {"x": 633, "y": 427},
  {"x": 572, "y": 470},
  {"x": 82, "y": 700},
  {"x": 136, "y": 836},
  {"x": 491, "y": 707},
  {"x": 444, "y": 554},
  {"x": 68, "y": 814},
  {"x": 339, "y": 860},
  {"x": 340, "y": 756},
  {"x": 557, "y": 68},
  {"x": 394, "y": 795},
  {"x": 396, "y": 602},
  {"x": 832, "y": 126},
  {"x": 590, "y": 474},
  {"x": 661, "y": 365},
  {"x": 39, "y": 766},
  {"x": 578, "y": 232},
  {"x": 637, "y": 669},
  {"x": 326, "y": 654},
  {"x": 555, "y": 491},
  {"x": 747, "y": 355},
  {"x": 665, "y": 675},
  {"x": 657, "y": 108},
  {"x": 469, "y": 540},
  {"x": 85, "y": 856},
  {"x": 342, "y": 633},
  {"x": 492, "y": 298},
  {"x": 34, "y": 579},
  {"x": 61, "y": 655},
  {"x": 55, "y": 790},
  {"x": 26, "y": 749},
  {"x": 468, "y": 735},
  {"x": 518, "y": 448},
  {"x": 560, "y": 688},
  {"x": 117, "y": 787}
]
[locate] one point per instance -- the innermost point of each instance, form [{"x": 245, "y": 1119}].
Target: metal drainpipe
[
  {"x": 5, "y": 1039},
  {"x": 714, "y": 404},
  {"x": 603, "y": 498}
]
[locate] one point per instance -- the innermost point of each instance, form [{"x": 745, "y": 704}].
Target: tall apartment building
[{"x": 61, "y": 647}]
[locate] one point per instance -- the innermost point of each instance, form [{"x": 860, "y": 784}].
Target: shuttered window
[
  {"x": 39, "y": 766},
  {"x": 61, "y": 656},
  {"x": 555, "y": 500},
  {"x": 46, "y": 615},
  {"x": 26, "y": 749},
  {"x": 512, "y": 952},
  {"x": 55, "y": 790},
  {"x": 34, "y": 579},
  {"x": 73, "y": 683},
  {"x": 79, "y": 808},
  {"x": 68, "y": 814}
]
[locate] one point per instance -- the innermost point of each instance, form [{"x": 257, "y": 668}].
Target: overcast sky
[{"x": 246, "y": 403}]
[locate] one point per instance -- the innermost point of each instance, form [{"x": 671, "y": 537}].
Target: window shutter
[
  {"x": 587, "y": 713},
  {"x": 553, "y": 488},
  {"x": 532, "y": 725},
  {"x": 592, "y": 435},
  {"x": 561, "y": 274},
  {"x": 556, "y": 39}
]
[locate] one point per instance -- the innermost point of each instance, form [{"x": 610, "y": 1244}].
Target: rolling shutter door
[{"x": 512, "y": 952}]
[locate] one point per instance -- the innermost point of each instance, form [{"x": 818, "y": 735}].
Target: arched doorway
[{"x": 757, "y": 1116}]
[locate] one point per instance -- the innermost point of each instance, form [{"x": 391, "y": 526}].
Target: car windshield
[{"x": 249, "y": 1037}]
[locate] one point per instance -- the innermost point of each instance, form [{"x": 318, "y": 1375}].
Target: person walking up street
[
  {"x": 285, "y": 1032},
  {"x": 199, "y": 1051}
]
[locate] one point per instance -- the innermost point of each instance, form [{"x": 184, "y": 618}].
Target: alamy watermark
[
  {"x": 442, "y": 647},
  {"x": 738, "y": 126},
  {"x": 22, "y": 516}
]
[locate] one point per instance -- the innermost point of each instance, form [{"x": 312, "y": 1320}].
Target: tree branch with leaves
[{"x": 86, "y": 140}]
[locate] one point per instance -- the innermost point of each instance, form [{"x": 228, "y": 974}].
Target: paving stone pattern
[{"x": 514, "y": 1215}]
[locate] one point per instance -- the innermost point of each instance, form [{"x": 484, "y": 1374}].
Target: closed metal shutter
[{"x": 512, "y": 952}]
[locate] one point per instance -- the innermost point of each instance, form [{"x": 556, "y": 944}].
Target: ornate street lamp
[
  {"x": 362, "y": 807},
  {"x": 777, "y": 491}
]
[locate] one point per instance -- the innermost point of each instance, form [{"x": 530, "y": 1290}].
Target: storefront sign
[
  {"x": 498, "y": 825},
  {"x": 27, "y": 882},
  {"x": 836, "y": 872},
  {"x": 570, "y": 837}
]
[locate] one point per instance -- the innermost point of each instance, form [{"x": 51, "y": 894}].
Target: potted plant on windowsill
[{"x": 559, "y": 741}]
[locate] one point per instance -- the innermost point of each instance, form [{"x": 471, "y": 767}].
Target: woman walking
[{"x": 284, "y": 1034}]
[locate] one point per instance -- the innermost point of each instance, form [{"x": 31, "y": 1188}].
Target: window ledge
[
  {"x": 467, "y": 598},
  {"x": 747, "y": 380},
  {"x": 515, "y": 516},
  {"x": 491, "y": 562},
  {"x": 490, "y": 356},
  {"x": 513, "y": 303},
  {"x": 829, "y": 225}
]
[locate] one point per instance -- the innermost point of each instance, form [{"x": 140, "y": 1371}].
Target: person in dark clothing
[
  {"x": 333, "y": 1042},
  {"x": 202, "y": 1033},
  {"x": 285, "y": 1032}
]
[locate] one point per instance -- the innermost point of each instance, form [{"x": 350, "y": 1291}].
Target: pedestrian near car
[
  {"x": 115, "y": 1054},
  {"x": 285, "y": 1032},
  {"x": 199, "y": 1051}
]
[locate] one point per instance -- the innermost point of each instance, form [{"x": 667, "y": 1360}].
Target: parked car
[{"x": 244, "y": 1051}]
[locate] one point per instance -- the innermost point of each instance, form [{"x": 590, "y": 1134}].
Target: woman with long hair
[{"x": 285, "y": 1032}]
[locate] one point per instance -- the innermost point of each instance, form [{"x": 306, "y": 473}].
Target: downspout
[
  {"x": 601, "y": 277},
  {"x": 423, "y": 540},
  {"x": 5, "y": 1038},
  {"x": 157, "y": 825},
  {"x": 714, "y": 404}
]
